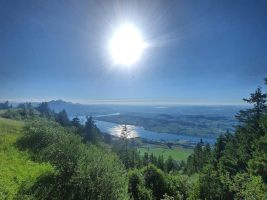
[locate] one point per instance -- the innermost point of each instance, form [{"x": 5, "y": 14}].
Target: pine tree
[
  {"x": 76, "y": 122},
  {"x": 258, "y": 100},
  {"x": 125, "y": 135},
  {"x": 91, "y": 133},
  {"x": 62, "y": 118}
]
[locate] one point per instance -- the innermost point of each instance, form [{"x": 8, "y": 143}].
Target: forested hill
[
  {"x": 236, "y": 167},
  {"x": 44, "y": 155}
]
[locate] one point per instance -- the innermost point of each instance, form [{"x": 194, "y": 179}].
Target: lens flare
[{"x": 126, "y": 45}]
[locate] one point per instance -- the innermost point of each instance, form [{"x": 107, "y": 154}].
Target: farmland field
[{"x": 177, "y": 153}]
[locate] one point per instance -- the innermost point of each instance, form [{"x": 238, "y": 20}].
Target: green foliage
[
  {"x": 71, "y": 167},
  {"x": 236, "y": 167},
  {"x": 90, "y": 132},
  {"x": 45, "y": 110},
  {"x": 144, "y": 193},
  {"x": 5, "y": 105},
  {"x": 99, "y": 175},
  {"x": 179, "y": 186},
  {"x": 147, "y": 183},
  {"x": 248, "y": 187},
  {"x": 211, "y": 187},
  {"x": 171, "y": 165},
  {"x": 155, "y": 180},
  {"x": 136, "y": 186},
  {"x": 152, "y": 183},
  {"x": 202, "y": 155},
  {"x": 129, "y": 156},
  {"x": 76, "y": 122},
  {"x": 258, "y": 100},
  {"x": 135, "y": 180},
  {"x": 82, "y": 171},
  {"x": 16, "y": 168},
  {"x": 8, "y": 126},
  {"x": 24, "y": 113},
  {"x": 258, "y": 164},
  {"x": 62, "y": 118}
]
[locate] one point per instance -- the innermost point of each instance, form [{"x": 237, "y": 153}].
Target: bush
[
  {"x": 83, "y": 171},
  {"x": 155, "y": 180}
]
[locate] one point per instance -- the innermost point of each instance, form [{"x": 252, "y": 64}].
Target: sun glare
[{"x": 126, "y": 45}]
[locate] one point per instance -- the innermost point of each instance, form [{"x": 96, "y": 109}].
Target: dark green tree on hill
[
  {"x": 5, "y": 105},
  {"x": 91, "y": 133},
  {"x": 45, "y": 110},
  {"x": 76, "y": 122},
  {"x": 238, "y": 162},
  {"x": 62, "y": 118},
  {"x": 258, "y": 101}
]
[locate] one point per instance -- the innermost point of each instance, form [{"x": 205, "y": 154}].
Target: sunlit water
[{"x": 137, "y": 131}]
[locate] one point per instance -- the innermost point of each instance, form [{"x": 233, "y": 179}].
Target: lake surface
[{"x": 137, "y": 131}]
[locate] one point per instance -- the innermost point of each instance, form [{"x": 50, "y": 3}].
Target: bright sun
[{"x": 126, "y": 45}]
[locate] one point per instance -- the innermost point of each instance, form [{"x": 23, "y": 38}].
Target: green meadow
[
  {"x": 17, "y": 170},
  {"x": 177, "y": 153}
]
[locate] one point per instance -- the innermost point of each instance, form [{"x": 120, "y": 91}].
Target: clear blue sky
[{"x": 211, "y": 52}]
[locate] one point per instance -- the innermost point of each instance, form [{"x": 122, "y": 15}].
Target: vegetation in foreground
[
  {"x": 55, "y": 158},
  {"x": 17, "y": 168}
]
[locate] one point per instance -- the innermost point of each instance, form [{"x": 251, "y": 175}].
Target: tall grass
[{"x": 17, "y": 170}]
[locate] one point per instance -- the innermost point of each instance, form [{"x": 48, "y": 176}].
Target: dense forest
[{"x": 66, "y": 159}]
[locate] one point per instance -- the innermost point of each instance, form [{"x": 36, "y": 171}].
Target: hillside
[
  {"x": 45, "y": 155},
  {"x": 17, "y": 170}
]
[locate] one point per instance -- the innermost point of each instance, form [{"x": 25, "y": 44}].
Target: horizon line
[{"x": 127, "y": 102}]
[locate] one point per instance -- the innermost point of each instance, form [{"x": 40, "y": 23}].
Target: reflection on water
[
  {"x": 117, "y": 130},
  {"x": 137, "y": 131},
  {"x": 112, "y": 114}
]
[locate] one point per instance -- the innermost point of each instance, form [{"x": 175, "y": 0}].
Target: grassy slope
[
  {"x": 176, "y": 153},
  {"x": 2, "y": 111},
  {"x": 16, "y": 168}
]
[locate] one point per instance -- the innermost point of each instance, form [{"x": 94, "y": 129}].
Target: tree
[
  {"x": 258, "y": 100},
  {"x": 170, "y": 164},
  {"x": 155, "y": 180},
  {"x": 99, "y": 175},
  {"x": 125, "y": 135},
  {"x": 179, "y": 186},
  {"x": 160, "y": 163},
  {"x": 83, "y": 171},
  {"x": 250, "y": 130},
  {"x": 91, "y": 133},
  {"x": 5, "y": 105},
  {"x": 108, "y": 138},
  {"x": 44, "y": 109},
  {"x": 78, "y": 127},
  {"x": 200, "y": 157},
  {"x": 246, "y": 186},
  {"x": 211, "y": 187},
  {"x": 136, "y": 181},
  {"x": 258, "y": 163},
  {"x": 220, "y": 145},
  {"x": 62, "y": 118},
  {"x": 153, "y": 159}
]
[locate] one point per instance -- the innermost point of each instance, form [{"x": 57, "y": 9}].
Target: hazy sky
[{"x": 200, "y": 51}]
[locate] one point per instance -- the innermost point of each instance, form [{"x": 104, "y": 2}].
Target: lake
[{"x": 137, "y": 131}]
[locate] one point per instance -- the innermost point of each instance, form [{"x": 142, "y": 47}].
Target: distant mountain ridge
[
  {"x": 74, "y": 109},
  {"x": 71, "y": 108},
  {"x": 99, "y": 109}
]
